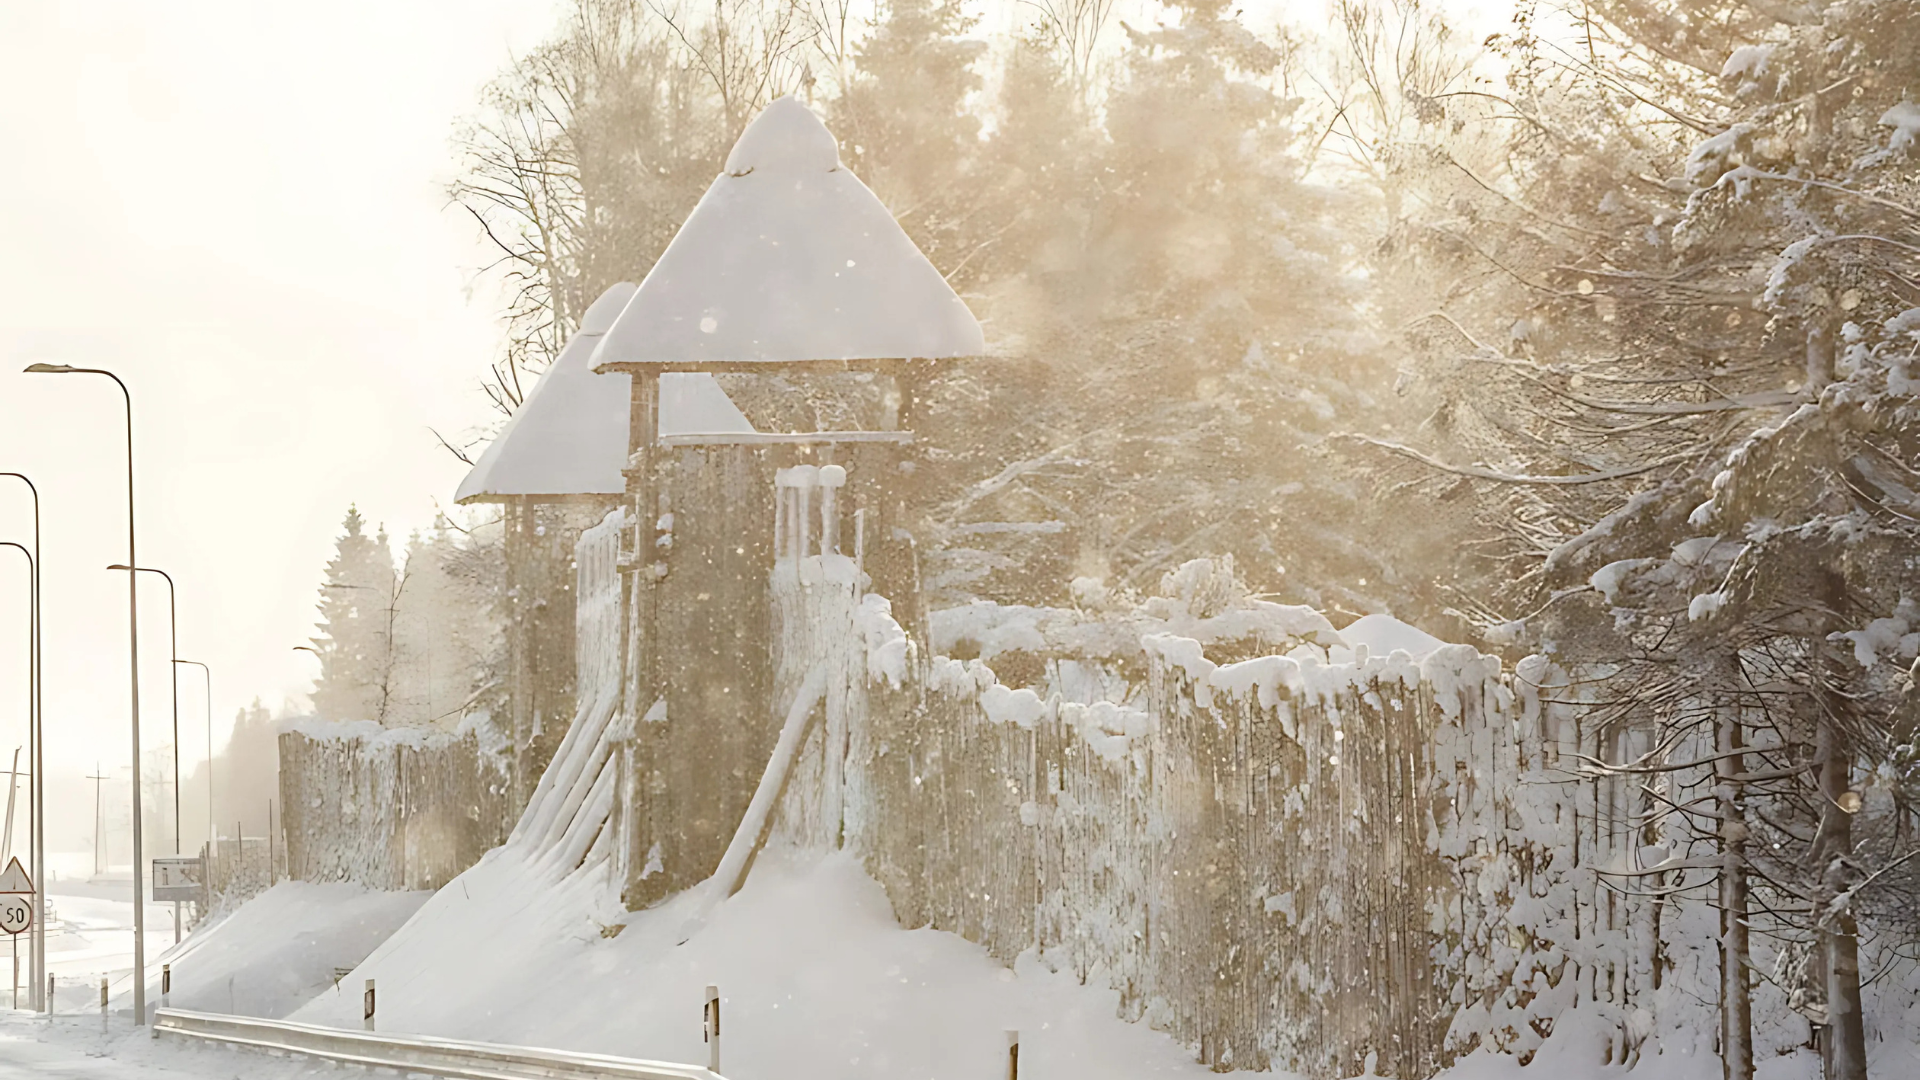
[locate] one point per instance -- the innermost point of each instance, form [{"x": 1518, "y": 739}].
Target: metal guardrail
[{"x": 415, "y": 1053}]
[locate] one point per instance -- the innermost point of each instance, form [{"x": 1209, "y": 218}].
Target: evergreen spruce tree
[{"x": 354, "y": 643}]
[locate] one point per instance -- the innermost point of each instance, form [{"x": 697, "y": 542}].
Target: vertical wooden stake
[
  {"x": 1013, "y": 1055},
  {"x": 166, "y": 986},
  {"x": 366, "y": 1006},
  {"x": 103, "y": 1003},
  {"x": 711, "y": 1033}
]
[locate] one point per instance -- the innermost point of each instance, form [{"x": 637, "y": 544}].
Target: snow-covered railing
[{"x": 410, "y": 1054}]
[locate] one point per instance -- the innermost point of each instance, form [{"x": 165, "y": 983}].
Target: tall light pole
[
  {"x": 173, "y": 676},
  {"x": 33, "y": 781},
  {"x": 173, "y": 680},
  {"x": 133, "y": 679},
  {"x": 208, "y": 673},
  {"x": 36, "y": 791}
]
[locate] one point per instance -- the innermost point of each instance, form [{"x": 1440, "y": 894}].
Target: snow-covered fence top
[
  {"x": 391, "y": 808},
  {"x": 1290, "y": 847}
]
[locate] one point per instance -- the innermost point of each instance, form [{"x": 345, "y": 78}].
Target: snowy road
[
  {"x": 23, "y": 1058},
  {"x": 75, "y": 1049}
]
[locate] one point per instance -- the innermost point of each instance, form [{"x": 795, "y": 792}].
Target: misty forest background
[{"x": 1594, "y": 338}]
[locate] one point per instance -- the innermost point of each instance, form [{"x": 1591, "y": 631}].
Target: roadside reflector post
[
  {"x": 103, "y": 1003},
  {"x": 166, "y": 986},
  {"x": 1013, "y": 1055},
  {"x": 710, "y": 1028},
  {"x": 366, "y": 1005}
]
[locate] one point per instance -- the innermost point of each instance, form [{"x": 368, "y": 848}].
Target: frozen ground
[
  {"x": 90, "y": 934},
  {"x": 73, "y": 1048},
  {"x": 280, "y": 950},
  {"x": 817, "y": 980}
]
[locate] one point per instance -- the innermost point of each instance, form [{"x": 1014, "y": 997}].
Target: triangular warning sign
[{"x": 15, "y": 880}]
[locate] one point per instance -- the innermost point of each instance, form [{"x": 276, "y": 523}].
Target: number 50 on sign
[{"x": 16, "y": 913}]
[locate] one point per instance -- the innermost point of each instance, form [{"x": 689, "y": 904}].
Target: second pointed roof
[
  {"x": 788, "y": 258},
  {"x": 569, "y": 437}
]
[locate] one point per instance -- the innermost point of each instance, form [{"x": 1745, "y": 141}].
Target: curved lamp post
[
  {"x": 133, "y": 678},
  {"x": 173, "y": 649},
  {"x": 207, "y": 672},
  {"x": 36, "y": 791},
  {"x": 33, "y": 784},
  {"x": 173, "y": 680}
]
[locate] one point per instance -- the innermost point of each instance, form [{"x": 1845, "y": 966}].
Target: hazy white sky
[{"x": 238, "y": 207}]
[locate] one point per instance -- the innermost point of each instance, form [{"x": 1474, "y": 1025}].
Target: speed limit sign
[
  {"x": 16, "y": 899},
  {"x": 16, "y": 913}
]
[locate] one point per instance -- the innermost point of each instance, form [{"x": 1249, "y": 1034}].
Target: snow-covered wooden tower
[
  {"x": 555, "y": 468},
  {"x": 789, "y": 272}
]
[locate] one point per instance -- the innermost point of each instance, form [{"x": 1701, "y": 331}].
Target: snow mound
[
  {"x": 816, "y": 979},
  {"x": 279, "y": 950},
  {"x": 1384, "y": 635}
]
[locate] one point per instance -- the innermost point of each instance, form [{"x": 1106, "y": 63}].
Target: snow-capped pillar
[
  {"x": 832, "y": 479},
  {"x": 793, "y": 488}
]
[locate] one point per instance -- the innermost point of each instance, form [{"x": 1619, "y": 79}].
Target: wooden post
[
  {"x": 711, "y": 1033},
  {"x": 640, "y": 683},
  {"x": 366, "y": 1006},
  {"x": 1013, "y": 1055}
]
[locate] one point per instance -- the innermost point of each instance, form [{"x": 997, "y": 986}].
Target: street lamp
[
  {"x": 173, "y": 678},
  {"x": 33, "y": 711},
  {"x": 37, "y": 795},
  {"x": 207, "y": 672},
  {"x": 133, "y": 679},
  {"x": 173, "y": 648}
]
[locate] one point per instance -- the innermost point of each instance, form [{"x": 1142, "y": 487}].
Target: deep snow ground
[
  {"x": 90, "y": 934},
  {"x": 817, "y": 981},
  {"x": 280, "y": 949}
]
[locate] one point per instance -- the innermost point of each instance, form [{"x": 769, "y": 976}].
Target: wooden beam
[{"x": 784, "y": 438}]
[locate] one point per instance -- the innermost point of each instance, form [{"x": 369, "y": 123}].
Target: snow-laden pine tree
[
  {"x": 357, "y": 606},
  {"x": 1672, "y": 373}
]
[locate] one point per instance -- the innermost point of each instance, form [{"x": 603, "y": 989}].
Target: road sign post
[
  {"x": 16, "y": 913},
  {"x": 177, "y": 878},
  {"x": 180, "y": 877}
]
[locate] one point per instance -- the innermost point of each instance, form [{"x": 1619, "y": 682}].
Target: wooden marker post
[
  {"x": 710, "y": 1033},
  {"x": 366, "y": 1006},
  {"x": 1013, "y": 1055},
  {"x": 103, "y": 1003}
]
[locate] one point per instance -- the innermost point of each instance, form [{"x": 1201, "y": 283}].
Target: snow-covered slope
[
  {"x": 816, "y": 978},
  {"x": 278, "y": 950}
]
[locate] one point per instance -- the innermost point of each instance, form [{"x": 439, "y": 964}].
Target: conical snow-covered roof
[
  {"x": 569, "y": 437},
  {"x": 788, "y": 258}
]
